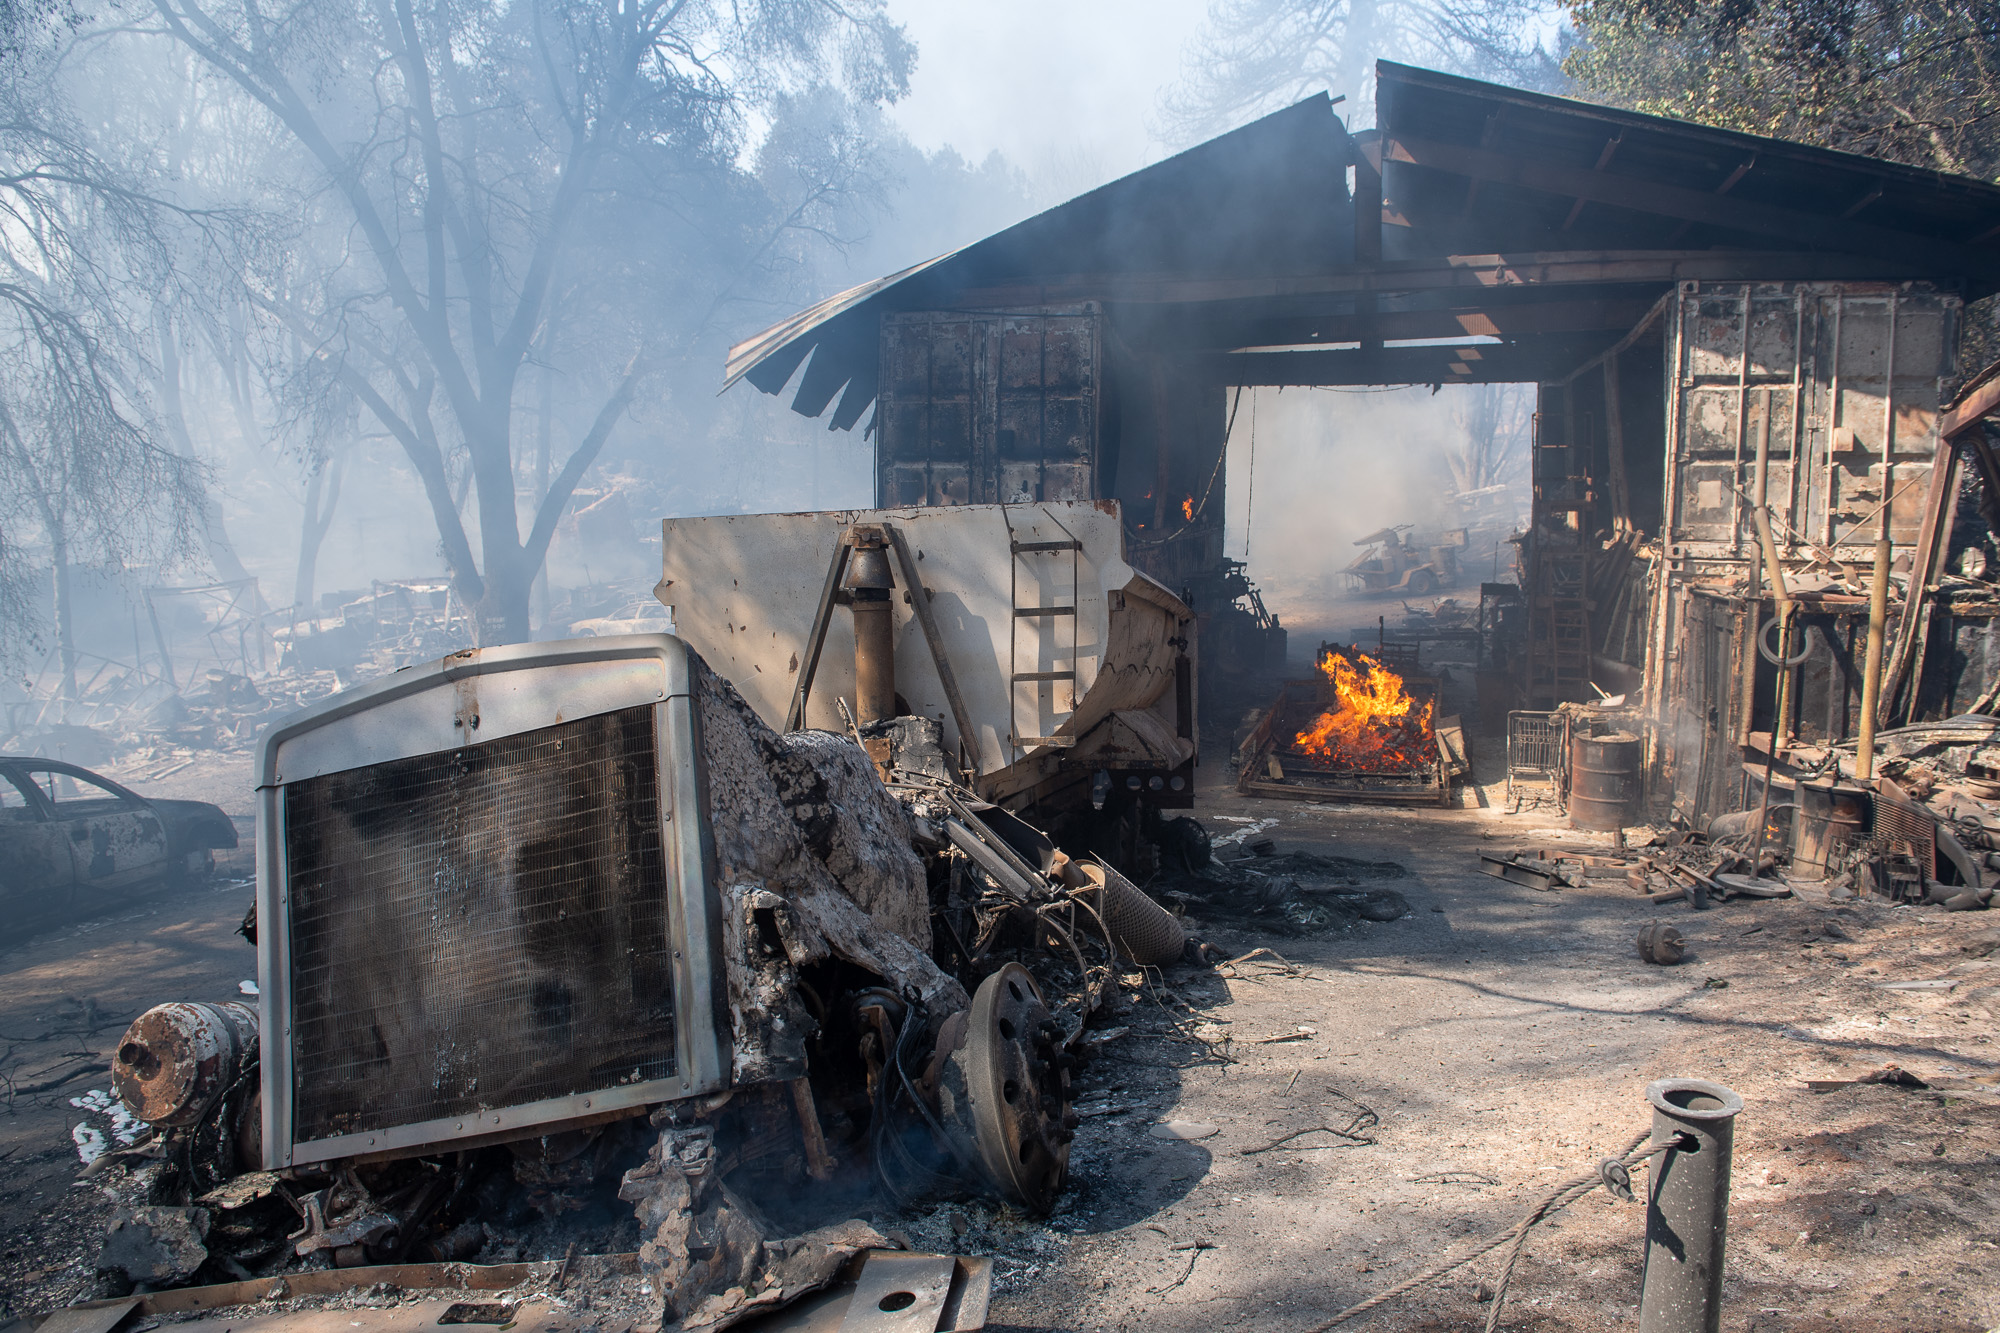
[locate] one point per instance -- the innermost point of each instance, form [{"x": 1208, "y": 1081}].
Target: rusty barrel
[
  {"x": 1830, "y": 816},
  {"x": 1603, "y": 781}
]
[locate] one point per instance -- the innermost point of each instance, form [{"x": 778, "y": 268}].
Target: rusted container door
[
  {"x": 988, "y": 408},
  {"x": 930, "y": 395},
  {"x": 1823, "y": 378}
]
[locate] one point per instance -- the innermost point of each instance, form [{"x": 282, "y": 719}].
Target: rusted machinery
[
  {"x": 1395, "y": 563},
  {"x": 526, "y": 910},
  {"x": 1061, "y": 676}
]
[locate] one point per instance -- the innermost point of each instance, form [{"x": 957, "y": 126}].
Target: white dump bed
[{"x": 1104, "y": 680}]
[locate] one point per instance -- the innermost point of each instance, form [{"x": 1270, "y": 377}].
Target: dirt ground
[{"x": 1500, "y": 1037}]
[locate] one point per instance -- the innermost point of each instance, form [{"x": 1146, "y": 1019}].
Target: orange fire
[
  {"x": 1378, "y": 727},
  {"x": 1187, "y": 509}
]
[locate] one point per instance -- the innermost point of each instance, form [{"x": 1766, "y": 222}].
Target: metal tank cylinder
[
  {"x": 869, "y": 583},
  {"x": 176, "y": 1059},
  {"x": 1603, "y": 781}
]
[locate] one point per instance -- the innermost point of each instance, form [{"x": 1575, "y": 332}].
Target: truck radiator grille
[{"x": 479, "y": 928}]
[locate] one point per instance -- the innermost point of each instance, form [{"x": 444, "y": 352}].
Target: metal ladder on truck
[{"x": 1046, "y": 622}]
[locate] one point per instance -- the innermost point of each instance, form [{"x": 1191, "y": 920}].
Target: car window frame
[
  {"x": 127, "y": 798},
  {"x": 37, "y": 800}
]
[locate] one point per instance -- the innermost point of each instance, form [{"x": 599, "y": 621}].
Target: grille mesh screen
[{"x": 480, "y": 927}]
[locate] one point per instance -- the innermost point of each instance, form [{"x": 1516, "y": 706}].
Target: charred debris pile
[
  {"x": 905, "y": 978},
  {"x": 1922, "y": 829},
  {"x": 210, "y": 669}
]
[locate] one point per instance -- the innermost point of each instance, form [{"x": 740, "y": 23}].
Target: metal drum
[
  {"x": 1829, "y": 817},
  {"x": 1603, "y": 781}
]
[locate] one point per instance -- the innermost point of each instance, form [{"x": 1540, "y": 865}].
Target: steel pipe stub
[
  {"x": 1694, "y": 1100},
  {"x": 1687, "y": 1206}
]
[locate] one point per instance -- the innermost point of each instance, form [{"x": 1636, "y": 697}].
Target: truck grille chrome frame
[{"x": 486, "y": 902}]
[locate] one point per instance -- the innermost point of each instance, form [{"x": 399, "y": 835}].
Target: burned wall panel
[
  {"x": 1817, "y": 381},
  {"x": 1962, "y": 662},
  {"x": 1820, "y": 403}
]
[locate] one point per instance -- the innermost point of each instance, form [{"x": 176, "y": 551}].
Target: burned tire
[{"x": 1422, "y": 583}]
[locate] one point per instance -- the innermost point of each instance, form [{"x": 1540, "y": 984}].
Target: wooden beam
[
  {"x": 1603, "y": 160},
  {"x": 1863, "y": 202},
  {"x": 1462, "y": 272},
  {"x": 1933, "y": 535},
  {"x": 1493, "y": 364},
  {"x": 1969, "y": 411},
  {"x": 1677, "y": 201}
]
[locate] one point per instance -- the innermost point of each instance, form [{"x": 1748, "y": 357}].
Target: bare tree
[
  {"x": 80, "y": 474},
  {"x": 474, "y": 162},
  {"x": 1494, "y": 423},
  {"x": 1255, "y": 56},
  {"x": 77, "y": 466}
]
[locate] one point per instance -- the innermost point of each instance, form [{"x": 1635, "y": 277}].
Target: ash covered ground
[{"x": 1499, "y": 1039}]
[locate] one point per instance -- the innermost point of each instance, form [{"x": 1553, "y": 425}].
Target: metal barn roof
[{"x": 1542, "y": 227}]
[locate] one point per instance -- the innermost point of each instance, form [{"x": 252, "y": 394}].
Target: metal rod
[
  {"x": 920, "y": 602},
  {"x": 1782, "y": 675},
  {"x": 989, "y": 860},
  {"x": 795, "y": 716},
  {"x": 1748, "y": 647},
  {"x": 1687, "y": 1206},
  {"x": 1871, "y": 668}
]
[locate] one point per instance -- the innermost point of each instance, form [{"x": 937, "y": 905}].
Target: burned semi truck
[{"x": 530, "y": 915}]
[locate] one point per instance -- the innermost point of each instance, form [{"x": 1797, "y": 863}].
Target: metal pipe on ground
[{"x": 1687, "y": 1206}]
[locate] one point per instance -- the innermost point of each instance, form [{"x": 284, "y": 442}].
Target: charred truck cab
[{"x": 527, "y": 895}]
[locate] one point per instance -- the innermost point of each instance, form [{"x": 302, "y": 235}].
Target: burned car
[
  {"x": 537, "y": 917},
  {"x": 73, "y": 842}
]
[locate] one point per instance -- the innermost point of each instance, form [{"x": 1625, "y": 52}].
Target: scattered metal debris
[
  {"x": 1533, "y": 872},
  {"x": 1660, "y": 943}
]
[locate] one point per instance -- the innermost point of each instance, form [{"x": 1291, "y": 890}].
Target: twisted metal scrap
[{"x": 1561, "y": 1197}]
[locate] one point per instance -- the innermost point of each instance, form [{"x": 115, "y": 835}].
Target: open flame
[
  {"x": 1377, "y": 727},
  {"x": 1187, "y": 509}
]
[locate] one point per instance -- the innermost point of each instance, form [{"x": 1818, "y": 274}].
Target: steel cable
[{"x": 1561, "y": 1197}]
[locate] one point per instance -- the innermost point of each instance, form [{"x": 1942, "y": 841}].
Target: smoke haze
[
  {"x": 1009, "y": 110},
  {"x": 1312, "y": 471}
]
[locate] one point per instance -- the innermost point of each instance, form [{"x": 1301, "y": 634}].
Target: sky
[{"x": 1065, "y": 89}]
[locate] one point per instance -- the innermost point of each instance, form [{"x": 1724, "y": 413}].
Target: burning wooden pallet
[{"x": 1358, "y": 732}]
